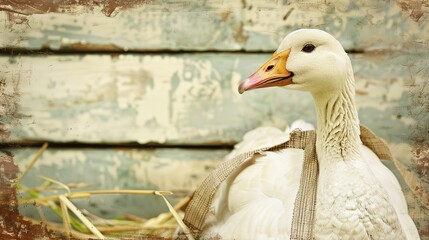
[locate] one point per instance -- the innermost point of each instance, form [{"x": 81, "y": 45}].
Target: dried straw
[
  {"x": 177, "y": 217},
  {"x": 162, "y": 225},
  {"x": 33, "y": 161},
  {"x": 76, "y": 211},
  {"x": 86, "y": 194},
  {"x": 66, "y": 219}
]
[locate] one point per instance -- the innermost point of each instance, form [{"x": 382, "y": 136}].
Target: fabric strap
[{"x": 305, "y": 203}]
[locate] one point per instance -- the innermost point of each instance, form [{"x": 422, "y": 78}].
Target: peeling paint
[
  {"x": 190, "y": 175},
  {"x": 194, "y": 99},
  {"x": 415, "y": 8},
  {"x": 387, "y": 96},
  {"x": 221, "y": 25},
  {"x": 9, "y": 99},
  {"x": 12, "y": 224},
  {"x": 122, "y": 169},
  {"x": 108, "y": 8}
]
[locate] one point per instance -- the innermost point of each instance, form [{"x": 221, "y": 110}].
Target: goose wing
[
  {"x": 390, "y": 184},
  {"x": 257, "y": 200}
]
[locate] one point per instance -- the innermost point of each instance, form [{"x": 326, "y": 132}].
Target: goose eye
[{"x": 308, "y": 48}]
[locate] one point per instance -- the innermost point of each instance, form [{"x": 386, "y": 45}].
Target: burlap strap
[
  {"x": 305, "y": 203},
  {"x": 303, "y": 218},
  {"x": 376, "y": 144},
  {"x": 196, "y": 212}
]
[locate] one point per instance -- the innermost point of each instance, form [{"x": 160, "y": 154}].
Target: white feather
[{"x": 389, "y": 182}]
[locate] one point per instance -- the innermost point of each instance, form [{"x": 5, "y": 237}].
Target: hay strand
[
  {"x": 41, "y": 214},
  {"x": 85, "y": 194},
  {"x": 56, "y": 182},
  {"x": 82, "y": 218},
  {"x": 66, "y": 219},
  {"x": 33, "y": 161},
  {"x": 177, "y": 217}
]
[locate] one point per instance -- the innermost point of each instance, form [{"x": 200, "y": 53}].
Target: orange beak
[{"x": 272, "y": 73}]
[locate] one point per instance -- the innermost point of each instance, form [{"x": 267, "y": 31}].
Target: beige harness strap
[
  {"x": 305, "y": 203},
  {"x": 198, "y": 207},
  {"x": 376, "y": 144}
]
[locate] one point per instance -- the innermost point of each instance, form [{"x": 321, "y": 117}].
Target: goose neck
[{"x": 337, "y": 124}]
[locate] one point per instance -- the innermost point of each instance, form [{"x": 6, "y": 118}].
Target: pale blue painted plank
[
  {"x": 222, "y": 25},
  {"x": 188, "y": 98},
  {"x": 176, "y": 170}
]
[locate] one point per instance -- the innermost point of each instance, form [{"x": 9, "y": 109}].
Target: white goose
[{"x": 357, "y": 197}]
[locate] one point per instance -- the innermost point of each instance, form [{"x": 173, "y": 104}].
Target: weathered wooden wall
[
  {"x": 166, "y": 73},
  {"x": 185, "y": 98}
]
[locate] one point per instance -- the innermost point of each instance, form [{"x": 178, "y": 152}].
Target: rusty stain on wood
[
  {"x": 416, "y": 8},
  {"x": 9, "y": 99},
  {"x": 223, "y": 26},
  {"x": 12, "y": 224},
  {"x": 29, "y": 7}
]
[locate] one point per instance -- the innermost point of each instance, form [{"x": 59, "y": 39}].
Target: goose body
[{"x": 357, "y": 196}]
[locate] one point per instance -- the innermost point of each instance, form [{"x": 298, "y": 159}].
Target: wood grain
[
  {"x": 185, "y": 98},
  {"x": 257, "y": 25},
  {"x": 176, "y": 170}
]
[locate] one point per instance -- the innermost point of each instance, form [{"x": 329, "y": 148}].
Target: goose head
[
  {"x": 314, "y": 61},
  {"x": 308, "y": 60}
]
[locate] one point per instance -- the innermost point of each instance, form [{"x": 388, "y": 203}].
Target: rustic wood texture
[
  {"x": 186, "y": 98},
  {"x": 171, "y": 97},
  {"x": 212, "y": 25},
  {"x": 121, "y": 169}
]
